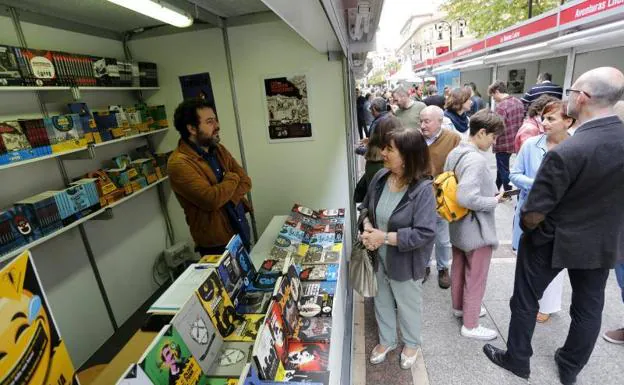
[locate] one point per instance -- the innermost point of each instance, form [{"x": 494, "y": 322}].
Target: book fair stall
[{"x": 97, "y": 264}]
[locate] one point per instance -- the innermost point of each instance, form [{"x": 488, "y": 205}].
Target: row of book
[
  {"x": 25, "y": 139},
  {"x": 44, "y": 213},
  {"x": 32, "y": 67},
  {"x": 266, "y": 326}
]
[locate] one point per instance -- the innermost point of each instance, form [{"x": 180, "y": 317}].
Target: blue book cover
[{"x": 325, "y": 272}]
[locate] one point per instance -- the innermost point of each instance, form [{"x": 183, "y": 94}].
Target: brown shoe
[
  {"x": 615, "y": 336},
  {"x": 427, "y": 272},
  {"x": 444, "y": 279}
]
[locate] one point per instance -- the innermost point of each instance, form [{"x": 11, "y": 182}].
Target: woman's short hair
[
  {"x": 413, "y": 148},
  {"x": 490, "y": 121},
  {"x": 554, "y": 106},
  {"x": 538, "y": 105},
  {"x": 456, "y": 99},
  {"x": 378, "y": 139}
]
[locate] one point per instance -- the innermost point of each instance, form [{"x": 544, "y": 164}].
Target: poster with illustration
[
  {"x": 286, "y": 103},
  {"x": 197, "y": 86},
  {"x": 515, "y": 81},
  {"x": 34, "y": 353}
]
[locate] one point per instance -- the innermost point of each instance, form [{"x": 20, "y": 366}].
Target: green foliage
[
  {"x": 487, "y": 16},
  {"x": 377, "y": 78}
]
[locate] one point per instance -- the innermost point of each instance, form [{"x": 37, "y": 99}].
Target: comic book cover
[
  {"x": 249, "y": 376},
  {"x": 331, "y": 216},
  {"x": 210, "y": 259},
  {"x": 326, "y": 272},
  {"x": 33, "y": 351},
  {"x": 269, "y": 272},
  {"x": 196, "y": 329},
  {"x": 317, "y": 299},
  {"x": 319, "y": 254},
  {"x": 275, "y": 322},
  {"x": 232, "y": 359},
  {"x": 247, "y": 329},
  {"x": 218, "y": 305},
  {"x": 251, "y": 280},
  {"x": 286, "y": 295},
  {"x": 299, "y": 377},
  {"x": 168, "y": 361},
  {"x": 265, "y": 356},
  {"x": 135, "y": 376},
  {"x": 231, "y": 276},
  {"x": 315, "y": 329},
  {"x": 253, "y": 302},
  {"x": 284, "y": 245},
  {"x": 307, "y": 356}
]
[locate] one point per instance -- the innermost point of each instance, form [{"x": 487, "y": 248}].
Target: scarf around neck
[{"x": 459, "y": 121}]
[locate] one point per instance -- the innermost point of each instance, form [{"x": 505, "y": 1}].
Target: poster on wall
[
  {"x": 515, "y": 81},
  {"x": 197, "y": 86},
  {"x": 34, "y": 353},
  {"x": 287, "y": 109}
]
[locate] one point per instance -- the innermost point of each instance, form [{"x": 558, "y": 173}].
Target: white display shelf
[
  {"x": 96, "y": 145},
  {"x": 134, "y": 195},
  {"x": 126, "y": 138},
  {"x": 16, "y": 252},
  {"x": 67, "y": 88},
  {"x": 33, "y": 160}
]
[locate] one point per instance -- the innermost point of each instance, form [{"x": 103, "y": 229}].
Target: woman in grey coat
[
  {"x": 401, "y": 227},
  {"x": 474, "y": 236}
]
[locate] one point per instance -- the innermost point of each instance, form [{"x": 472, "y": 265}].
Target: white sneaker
[
  {"x": 460, "y": 313},
  {"x": 479, "y": 333}
]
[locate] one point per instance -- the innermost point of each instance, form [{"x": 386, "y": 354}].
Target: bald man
[
  {"x": 572, "y": 219},
  {"x": 440, "y": 143}
]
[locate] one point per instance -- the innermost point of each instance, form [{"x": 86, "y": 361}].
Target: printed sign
[
  {"x": 197, "y": 86},
  {"x": 287, "y": 108},
  {"x": 587, "y": 9},
  {"x": 522, "y": 31}
]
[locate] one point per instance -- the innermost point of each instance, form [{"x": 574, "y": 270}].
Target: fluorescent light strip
[{"x": 157, "y": 10}]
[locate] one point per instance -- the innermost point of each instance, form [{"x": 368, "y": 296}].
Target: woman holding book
[
  {"x": 400, "y": 226},
  {"x": 556, "y": 123}
]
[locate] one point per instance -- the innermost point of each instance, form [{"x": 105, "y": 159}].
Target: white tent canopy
[{"x": 406, "y": 74}]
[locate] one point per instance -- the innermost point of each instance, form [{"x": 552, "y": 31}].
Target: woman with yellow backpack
[{"x": 472, "y": 227}]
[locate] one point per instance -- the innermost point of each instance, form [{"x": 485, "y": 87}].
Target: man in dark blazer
[{"x": 573, "y": 218}]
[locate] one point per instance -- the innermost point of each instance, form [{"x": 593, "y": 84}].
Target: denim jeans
[
  {"x": 442, "y": 244},
  {"x": 502, "y": 170},
  {"x": 619, "y": 273}
]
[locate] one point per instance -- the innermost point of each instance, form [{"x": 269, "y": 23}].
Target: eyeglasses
[{"x": 567, "y": 92}]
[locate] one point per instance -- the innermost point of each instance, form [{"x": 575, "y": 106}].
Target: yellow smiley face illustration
[{"x": 25, "y": 346}]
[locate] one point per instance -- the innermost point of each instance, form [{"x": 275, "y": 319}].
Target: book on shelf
[
  {"x": 313, "y": 329},
  {"x": 37, "y": 135},
  {"x": 286, "y": 296},
  {"x": 231, "y": 359},
  {"x": 253, "y": 302},
  {"x": 10, "y": 237},
  {"x": 106, "y": 72},
  {"x": 198, "y": 333},
  {"x": 306, "y": 377},
  {"x": 43, "y": 208},
  {"x": 317, "y": 298},
  {"x": 168, "y": 361},
  {"x": 325, "y": 272},
  {"x": 14, "y": 145},
  {"x": 37, "y": 67},
  {"x": 92, "y": 134},
  {"x": 9, "y": 68},
  {"x": 134, "y": 375},
  {"x": 65, "y": 133}
]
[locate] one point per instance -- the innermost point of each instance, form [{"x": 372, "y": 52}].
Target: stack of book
[{"x": 246, "y": 326}]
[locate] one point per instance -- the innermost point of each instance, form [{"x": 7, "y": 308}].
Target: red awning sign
[
  {"x": 528, "y": 29},
  {"x": 587, "y": 9}
]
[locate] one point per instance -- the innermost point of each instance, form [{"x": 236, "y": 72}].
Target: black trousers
[
  {"x": 533, "y": 274},
  {"x": 362, "y": 129},
  {"x": 502, "y": 170}
]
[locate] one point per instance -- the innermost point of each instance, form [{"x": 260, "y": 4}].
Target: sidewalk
[{"x": 452, "y": 359}]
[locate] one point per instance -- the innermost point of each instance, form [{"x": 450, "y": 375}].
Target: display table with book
[{"x": 277, "y": 315}]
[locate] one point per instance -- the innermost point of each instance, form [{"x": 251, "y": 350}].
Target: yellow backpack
[{"x": 445, "y": 186}]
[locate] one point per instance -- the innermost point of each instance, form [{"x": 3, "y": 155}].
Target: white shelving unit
[
  {"x": 96, "y": 145},
  {"x": 80, "y": 221}
]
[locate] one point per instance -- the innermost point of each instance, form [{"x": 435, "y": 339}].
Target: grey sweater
[{"x": 476, "y": 191}]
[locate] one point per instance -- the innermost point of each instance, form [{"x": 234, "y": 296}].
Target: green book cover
[{"x": 168, "y": 361}]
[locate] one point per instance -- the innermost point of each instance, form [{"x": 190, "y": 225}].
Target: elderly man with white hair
[{"x": 440, "y": 142}]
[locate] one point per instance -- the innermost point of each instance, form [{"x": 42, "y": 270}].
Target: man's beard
[
  {"x": 571, "y": 110},
  {"x": 209, "y": 141}
]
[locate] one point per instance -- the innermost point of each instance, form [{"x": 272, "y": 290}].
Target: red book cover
[{"x": 307, "y": 357}]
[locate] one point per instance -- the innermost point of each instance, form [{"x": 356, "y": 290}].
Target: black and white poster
[{"x": 287, "y": 109}]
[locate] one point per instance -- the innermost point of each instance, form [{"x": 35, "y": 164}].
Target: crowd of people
[{"x": 568, "y": 173}]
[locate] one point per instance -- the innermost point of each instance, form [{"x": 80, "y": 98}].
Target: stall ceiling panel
[{"x": 231, "y": 8}]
